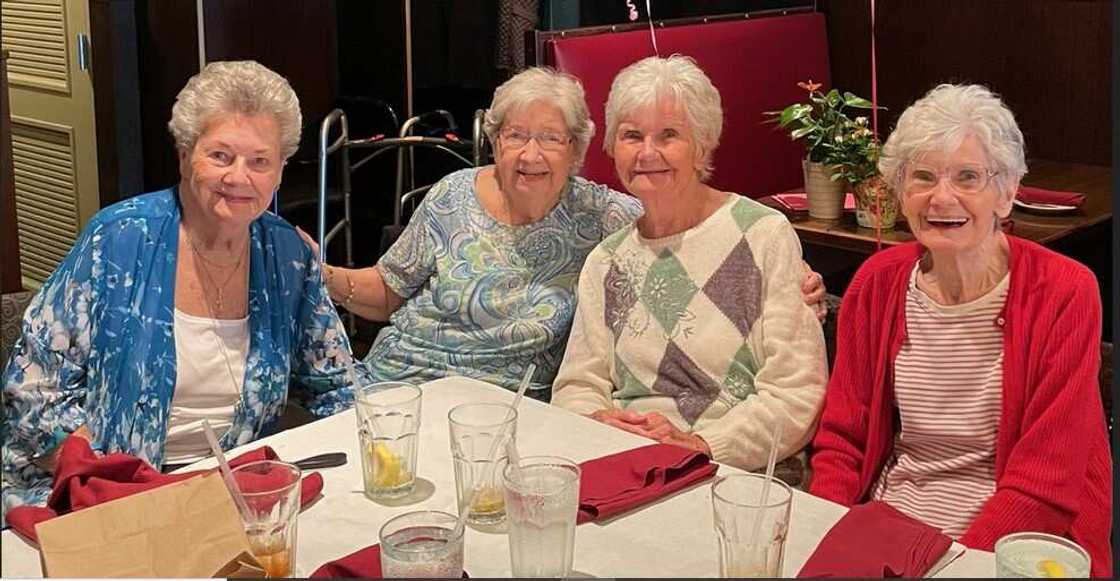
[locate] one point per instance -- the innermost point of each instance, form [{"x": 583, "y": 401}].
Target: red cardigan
[{"x": 1053, "y": 462}]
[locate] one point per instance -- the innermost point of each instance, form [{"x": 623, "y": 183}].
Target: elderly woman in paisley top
[
  {"x": 690, "y": 328},
  {"x": 482, "y": 281},
  {"x": 180, "y": 305}
]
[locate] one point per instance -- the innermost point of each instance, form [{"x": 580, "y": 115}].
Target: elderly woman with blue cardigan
[{"x": 187, "y": 304}]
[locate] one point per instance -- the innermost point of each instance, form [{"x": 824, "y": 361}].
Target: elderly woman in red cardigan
[{"x": 965, "y": 386}]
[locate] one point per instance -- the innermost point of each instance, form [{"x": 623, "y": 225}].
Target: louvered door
[{"x": 54, "y": 146}]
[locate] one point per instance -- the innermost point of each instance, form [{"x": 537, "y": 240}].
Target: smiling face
[
  {"x": 655, "y": 153},
  {"x": 944, "y": 219},
  {"x": 234, "y": 168},
  {"x": 528, "y": 169}
]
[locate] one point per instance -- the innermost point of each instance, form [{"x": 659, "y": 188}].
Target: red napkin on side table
[
  {"x": 84, "y": 479},
  {"x": 1040, "y": 196},
  {"x": 875, "y": 540},
  {"x": 619, "y": 482}
]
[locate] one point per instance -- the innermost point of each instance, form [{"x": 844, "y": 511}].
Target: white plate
[{"x": 1044, "y": 208}]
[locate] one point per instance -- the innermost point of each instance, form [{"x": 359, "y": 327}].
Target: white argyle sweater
[{"x": 707, "y": 327}]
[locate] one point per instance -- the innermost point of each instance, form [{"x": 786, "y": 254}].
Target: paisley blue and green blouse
[
  {"x": 98, "y": 347},
  {"x": 485, "y": 299}
]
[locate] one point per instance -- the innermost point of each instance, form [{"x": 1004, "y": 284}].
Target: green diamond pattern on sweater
[
  {"x": 612, "y": 242},
  {"x": 739, "y": 380},
  {"x": 629, "y": 387},
  {"x": 745, "y": 215},
  {"x": 667, "y": 290}
]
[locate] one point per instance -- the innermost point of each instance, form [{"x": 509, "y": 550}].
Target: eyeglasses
[
  {"x": 965, "y": 178},
  {"x": 546, "y": 140}
]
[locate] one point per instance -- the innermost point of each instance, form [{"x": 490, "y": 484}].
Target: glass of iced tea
[
  {"x": 271, "y": 492},
  {"x": 388, "y": 430},
  {"x": 421, "y": 544},
  {"x": 476, "y": 430}
]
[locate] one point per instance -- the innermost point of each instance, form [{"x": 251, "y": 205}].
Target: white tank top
[{"x": 204, "y": 386}]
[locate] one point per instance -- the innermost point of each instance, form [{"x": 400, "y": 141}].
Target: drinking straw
[
  {"x": 511, "y": 446},
  {"x": 223, "y": 468},
  {"x": 765, "y": 495},
  {"x": 492, "y": 456}
]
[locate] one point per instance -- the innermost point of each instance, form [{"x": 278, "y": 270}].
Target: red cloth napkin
[
  {"x": 84, "y": 479},
  {"x": 619, "y": 482},
  {"x": 1040, "y": 196},
  {"x": 797, "y": 201},
  {"x": 362, "y": 563},
  {"x": 875, "y": 540}
]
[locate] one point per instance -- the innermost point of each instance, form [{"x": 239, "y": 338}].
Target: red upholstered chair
[{"x": 755, "y": 63}]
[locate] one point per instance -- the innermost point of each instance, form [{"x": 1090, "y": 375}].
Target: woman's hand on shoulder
[
  {"x": 812, "y": 289},
  {"x": 309, "y": 240}
]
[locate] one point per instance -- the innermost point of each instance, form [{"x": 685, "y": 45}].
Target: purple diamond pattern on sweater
[
  {"x": 736, "y": 286},
  {"x": 678, "y": 376},
  {"x": 619, "y": 296}
]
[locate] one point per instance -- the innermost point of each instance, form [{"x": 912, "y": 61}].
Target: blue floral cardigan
[{"x": 98, "y": 348}]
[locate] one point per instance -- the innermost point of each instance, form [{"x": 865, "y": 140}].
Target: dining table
[{"x": 671, "y": 537}]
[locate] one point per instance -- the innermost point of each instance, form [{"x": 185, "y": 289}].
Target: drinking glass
[
  {"x": 474, "y": 429},
  {"x": 1030, "y": 554},
  {"x": 388, "y": 427},
  {"x": 542, "y": 500},
  {"x": 271, "y": 490},
  {"x": 421, "y": 544},
  {"x": 737, "y": 508}
]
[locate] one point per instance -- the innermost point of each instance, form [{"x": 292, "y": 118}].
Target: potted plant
[
  {"x": 823, "y": 124},
  {"x": 857, "y": 165}
]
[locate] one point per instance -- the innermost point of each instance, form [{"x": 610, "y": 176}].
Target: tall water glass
[
  {"x": 542, "y": 500},
  {"x": 271, "y": 491},
  {"x": 736, "y": 506},
  {"x": 1030, "y": 554},
  {"x": 421, "y": 544},
  {"x": 474, "y": 429},
  {"x": 388, "y": 433}
]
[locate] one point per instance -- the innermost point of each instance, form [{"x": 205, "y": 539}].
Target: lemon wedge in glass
[
  {"x": 1051, "y": 569},
  {"x": 387, "y": 467}
]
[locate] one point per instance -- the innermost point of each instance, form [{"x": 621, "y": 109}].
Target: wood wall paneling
[
  {"x": 295, "y": 38},
  {"x": 167, "y": 46},
  {"x": 116, "y": 99},
  {"x": 1049, "y": 59}
]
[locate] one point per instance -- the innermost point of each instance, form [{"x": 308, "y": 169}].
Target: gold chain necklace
[
  {"x": 238, "y": 386},
  {"x": 219, "y": 300}
]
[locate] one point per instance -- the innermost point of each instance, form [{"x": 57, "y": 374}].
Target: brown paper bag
[{"x": 185, "y": 529}]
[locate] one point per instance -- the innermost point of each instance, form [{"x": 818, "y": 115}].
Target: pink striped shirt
[{"x": 948, "y": 389}]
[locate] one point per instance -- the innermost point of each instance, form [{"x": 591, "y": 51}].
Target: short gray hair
[
  {"x": 943, "y": 118},
  {"x": 242, "y": 87},
  {"x": 545, "y": 85},
  {"x": 679, "y": 78}
]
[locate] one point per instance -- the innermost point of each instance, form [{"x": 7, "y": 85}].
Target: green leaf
[
  {"x": 832, "y": 98},
  {"x": 794, "y": 113},
  {"x": 858, "y": 102},
  {"x": 801, "y": 132}
]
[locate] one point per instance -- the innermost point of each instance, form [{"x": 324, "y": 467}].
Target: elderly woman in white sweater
[{"x": 690, "y": 328}]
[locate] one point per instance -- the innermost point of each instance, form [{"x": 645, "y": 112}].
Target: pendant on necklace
[{"x": 218, "y": 301}]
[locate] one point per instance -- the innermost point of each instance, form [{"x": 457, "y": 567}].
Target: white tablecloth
[{"x": 671, "y": 538}]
